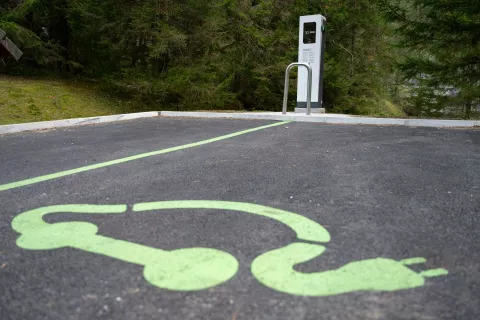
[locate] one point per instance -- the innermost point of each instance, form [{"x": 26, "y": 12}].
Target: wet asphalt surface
[{"x": 392, "y": 192}]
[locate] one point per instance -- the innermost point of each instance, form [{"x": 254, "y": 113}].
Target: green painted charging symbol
[{"x": 191, "y": 269}]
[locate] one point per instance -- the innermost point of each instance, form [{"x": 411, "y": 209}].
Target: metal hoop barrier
[{"x": 309, "y": 86}]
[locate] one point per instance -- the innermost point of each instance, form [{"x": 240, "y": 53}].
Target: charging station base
[{"x": 314, "y": 110}]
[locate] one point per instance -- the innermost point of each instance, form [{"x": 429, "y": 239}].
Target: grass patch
[{"x": 29, "y": 100}]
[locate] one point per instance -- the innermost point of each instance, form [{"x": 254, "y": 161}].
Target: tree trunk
[
  {"x": 468, "y": 109},
  {"x": 353, "y": 40},
  {"x": 352, "y": 49}
]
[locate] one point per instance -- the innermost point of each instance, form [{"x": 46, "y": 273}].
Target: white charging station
[{"x": 311, "y": 50}]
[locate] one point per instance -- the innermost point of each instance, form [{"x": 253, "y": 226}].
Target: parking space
[{"x": 238, "y": 219}]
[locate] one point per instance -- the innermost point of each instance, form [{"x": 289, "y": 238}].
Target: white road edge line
[
  {"x": 319, "y": 118},
  {"x": 327, "y": 118},
  {"x": 14, "y": 128}
]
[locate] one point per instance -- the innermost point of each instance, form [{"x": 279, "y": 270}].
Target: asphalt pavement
[{"x": 170, "y": 218}]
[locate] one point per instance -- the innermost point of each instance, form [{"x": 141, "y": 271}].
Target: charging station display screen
[{"x": 309, "y": 32}]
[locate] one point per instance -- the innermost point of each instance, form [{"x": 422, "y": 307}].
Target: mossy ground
[{"x": 30, "y": 99}]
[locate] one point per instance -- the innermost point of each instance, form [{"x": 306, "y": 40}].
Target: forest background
[{"x": 392, "y": 58}]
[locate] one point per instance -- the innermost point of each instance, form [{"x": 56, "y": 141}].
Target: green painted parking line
[{"x": 26, "y": 182}]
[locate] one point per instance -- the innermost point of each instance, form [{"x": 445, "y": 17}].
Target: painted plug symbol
[{"x": 275, "y": 269}]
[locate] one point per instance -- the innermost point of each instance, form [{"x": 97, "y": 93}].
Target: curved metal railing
[{"x": 309, "y": 86}]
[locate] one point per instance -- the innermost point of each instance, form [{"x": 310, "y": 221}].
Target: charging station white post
[{"x": 311, "y": 50}]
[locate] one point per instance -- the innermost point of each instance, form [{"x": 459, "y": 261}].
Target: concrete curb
[
  {"x": 327, "y": 118},
  {"x": 320, "y": 118},
  {"x": 12, "y": 128}
]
